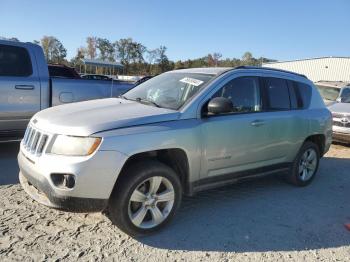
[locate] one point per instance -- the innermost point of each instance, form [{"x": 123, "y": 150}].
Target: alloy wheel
[
  {"x": 307, "y": 164},
  {"x": 151, "y": 202}
]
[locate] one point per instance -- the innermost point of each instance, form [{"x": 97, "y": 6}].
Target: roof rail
[{"x": 270, "y": 68}]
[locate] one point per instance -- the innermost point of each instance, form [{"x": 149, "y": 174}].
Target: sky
[{"x": 282, "y": 30}]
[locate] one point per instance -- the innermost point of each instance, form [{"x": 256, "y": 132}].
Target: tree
[
  {"x": 122, "y": 47},
  {"x": 247, "y": 58},
  {"x": 106, "y": 49},
  {"x": 162, "y": 59},
  {"x": 210, "y": 60},
  {"x": 91, "y": 47},
  {"x": 15, "y": 39},
  {"x": 54, "y": 50},
  {"x": 216, "y": 58},
  {"x": 78, "y": 59},
  {"x": 130, "y": 52},
  {"x": 179, "y": 65}
]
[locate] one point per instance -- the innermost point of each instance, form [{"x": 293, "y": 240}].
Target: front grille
[
  {"x": 34, "y": 141},
  {"x": 338, "y": 115},
  {"x": 336, "y": 123},
  {"x": 341, "y": 115}
]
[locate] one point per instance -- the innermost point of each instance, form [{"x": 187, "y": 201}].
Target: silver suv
[
  {"x": 179, "y": 133},
  {"x": 337, "y": 98}
]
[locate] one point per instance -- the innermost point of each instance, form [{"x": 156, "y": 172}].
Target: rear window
[
  {"x": 14, "y": 61},
  {"x": 64, "y": 72},
  {"x": 277, "y": 94}
]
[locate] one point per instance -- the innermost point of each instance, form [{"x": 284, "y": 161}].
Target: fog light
[{"x": 63, "y": 180}]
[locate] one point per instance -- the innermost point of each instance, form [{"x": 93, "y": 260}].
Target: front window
[
  {"x": 243, "y": 93},
  {"x": 169, "y": 90}
]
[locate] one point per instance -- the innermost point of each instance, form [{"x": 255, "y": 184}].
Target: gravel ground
[{"x": 265, "y": 220}]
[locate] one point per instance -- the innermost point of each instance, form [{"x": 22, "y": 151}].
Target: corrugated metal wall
[{"x": 328, "y": 69}]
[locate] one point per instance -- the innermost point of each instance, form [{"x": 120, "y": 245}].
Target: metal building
[{"x": 317, "y": 69}]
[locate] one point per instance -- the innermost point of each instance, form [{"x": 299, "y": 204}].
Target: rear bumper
[{"x": 40, "y": 191}]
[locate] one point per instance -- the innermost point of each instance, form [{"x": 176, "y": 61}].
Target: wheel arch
[
  {"x": 175, "y": 158},
  {"x": 319, "y": 140}
]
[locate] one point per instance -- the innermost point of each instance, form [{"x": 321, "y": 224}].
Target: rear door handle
[
  {"x": 24, "y": 87},
  {"x": 257, "y": 123}
]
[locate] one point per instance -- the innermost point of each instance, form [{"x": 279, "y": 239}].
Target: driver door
[{"x": 236, "y": 141}]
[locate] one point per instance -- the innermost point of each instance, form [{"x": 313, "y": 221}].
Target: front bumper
[
  {"x": 95, "y": 177},
  {"x": 341, "y": 137},
  {"x": 341, "y": 134},
  {"x": 42, "y": 192}
]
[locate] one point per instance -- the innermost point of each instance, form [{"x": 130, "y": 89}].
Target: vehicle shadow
[
  {"x": 265, "y": 215},
  {"x": 8, "y": 163}
]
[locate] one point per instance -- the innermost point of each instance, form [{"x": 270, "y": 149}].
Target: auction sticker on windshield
[{"x": 191, "y": 81}]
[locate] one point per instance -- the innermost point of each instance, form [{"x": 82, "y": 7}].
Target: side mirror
[{"x": 220, "y": 105}]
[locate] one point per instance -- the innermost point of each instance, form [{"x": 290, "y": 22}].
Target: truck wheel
[
  {"x": 305, "y": 165},
  {"x": 145, "y": 199}
]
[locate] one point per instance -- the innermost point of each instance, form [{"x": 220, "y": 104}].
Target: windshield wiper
[
  {"x": 145, "y": 101},
  {"x": 124, "y": 97}
]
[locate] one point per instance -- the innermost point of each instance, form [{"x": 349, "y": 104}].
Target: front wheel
[
  {"x": 305, "y": 165},
  {"x": 146, "y": 198}
]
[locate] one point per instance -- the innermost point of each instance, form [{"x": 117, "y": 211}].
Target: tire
[
  {"x": 303, "y": 162},
  {"x": 144, "y": 177}
]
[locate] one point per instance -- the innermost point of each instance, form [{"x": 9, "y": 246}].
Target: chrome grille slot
[
  {"x": 25, "y": 135},
  {"x": 30, "y": 139},
  {"x": 42, "y": 144},
  {"x": 34, "y": 141},
  {"x": 29, "y": 130},
  {"x": 337, "y": 115}
]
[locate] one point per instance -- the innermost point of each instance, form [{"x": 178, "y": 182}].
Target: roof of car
[
  {"x": 204, "y": 70},
  {"x": 221, "y": 70}
]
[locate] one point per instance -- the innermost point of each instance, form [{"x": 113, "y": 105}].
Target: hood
[
  {"x": 86, "y": 118},
  {"x": 340, "y": 108}
]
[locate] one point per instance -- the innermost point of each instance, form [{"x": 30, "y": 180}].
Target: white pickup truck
[{"x": 26, "y": 87}]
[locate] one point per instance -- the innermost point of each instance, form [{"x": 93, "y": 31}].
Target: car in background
[
  {"x": 28, "y": 84},
  {"x": 96, "y": 77},
  {"x": 330, "y": 90},
  {"x": 337, "y": 98},
  {"x": 62, "y": 71},
  {"x": 143, "y": 79}
]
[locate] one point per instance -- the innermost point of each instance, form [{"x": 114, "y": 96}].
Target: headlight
[{"x": 75, "y": 146}]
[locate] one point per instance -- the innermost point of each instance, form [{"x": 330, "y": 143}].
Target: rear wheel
[
  {"x": 305, "y": 165},
  {"x": 146, "y": 198}
]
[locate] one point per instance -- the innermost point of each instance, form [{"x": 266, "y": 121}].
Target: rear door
[
  {"x": 282, "y": 121},
  {"x": 19, "y": 88}
]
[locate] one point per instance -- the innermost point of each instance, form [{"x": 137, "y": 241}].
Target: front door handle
[
  {"x": 257, "y": 123},
  {"x": 24, "y": 87}
]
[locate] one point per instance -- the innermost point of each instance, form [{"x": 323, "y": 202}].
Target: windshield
[
  {"x": 169, "y": 90},
  {"x": 345, "y": 95},
  {"x": 328, "y": 93}
]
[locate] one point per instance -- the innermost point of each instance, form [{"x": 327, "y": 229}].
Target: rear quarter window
[
  {"x": 14, "y": 61},
  {"x": 303, "y": 94}
]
